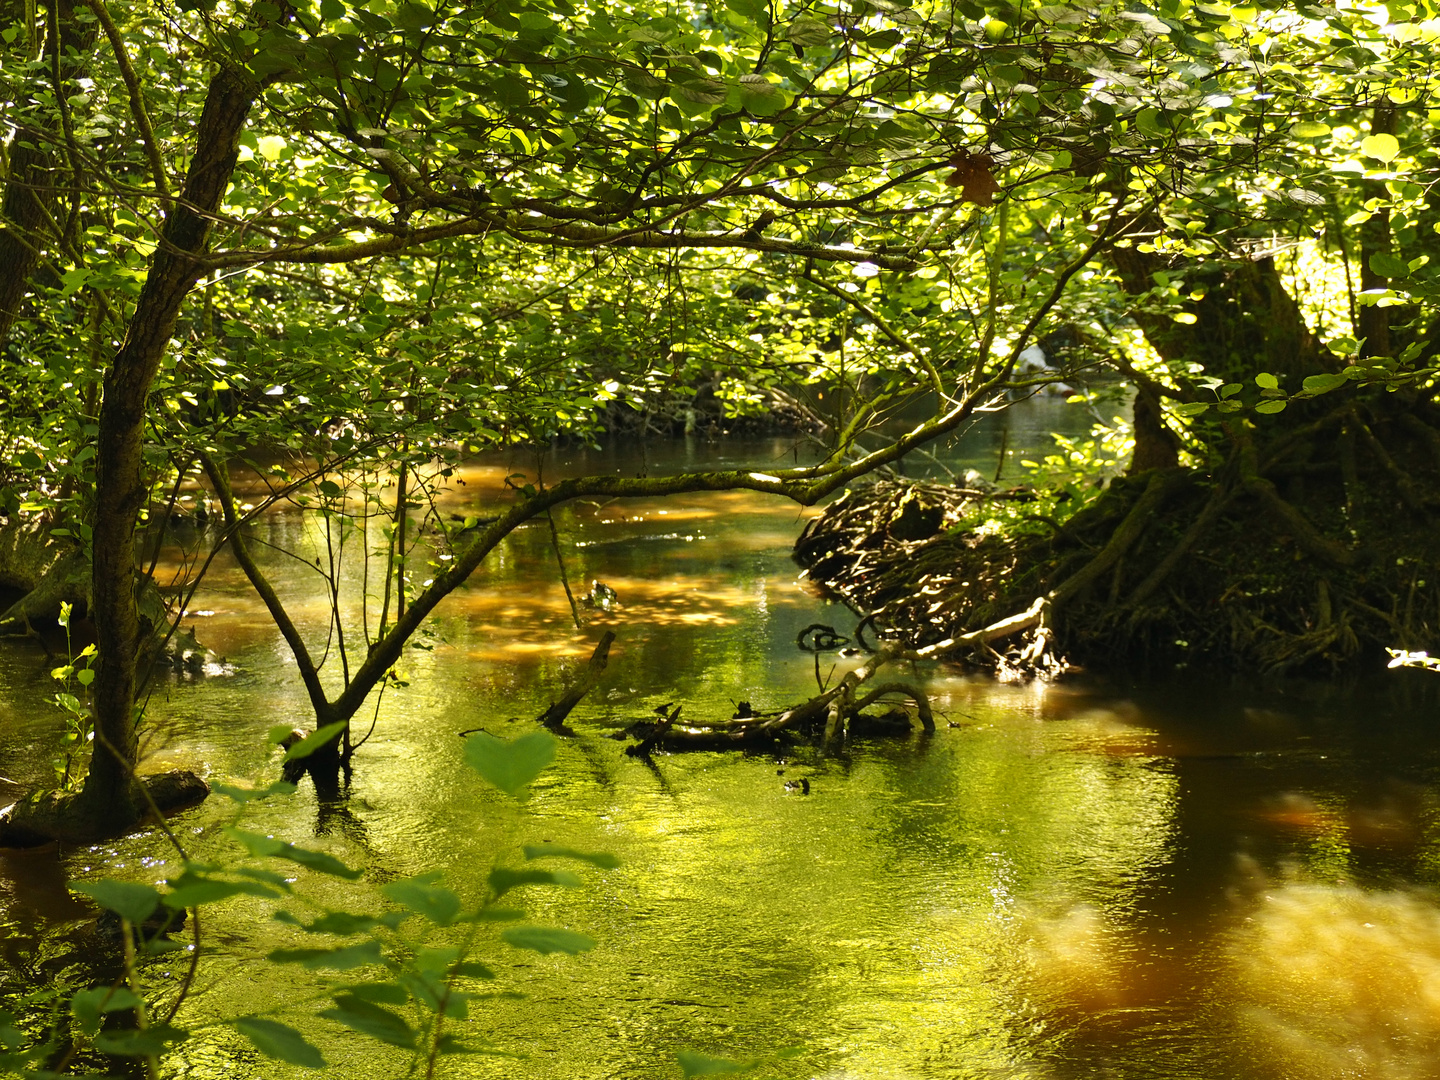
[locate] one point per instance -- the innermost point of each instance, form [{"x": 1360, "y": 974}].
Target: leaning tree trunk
[{"x": 109, "y": 794}]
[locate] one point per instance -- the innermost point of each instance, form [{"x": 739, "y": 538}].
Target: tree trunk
[{"x": 108, "y": 796}]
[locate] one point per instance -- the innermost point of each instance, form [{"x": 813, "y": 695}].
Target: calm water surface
[{"x": 1185, "y": 878}]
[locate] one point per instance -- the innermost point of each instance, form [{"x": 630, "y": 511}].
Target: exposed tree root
[
  {"x": 64, "y": 816},
  {"x": 1309, "y": 552}
]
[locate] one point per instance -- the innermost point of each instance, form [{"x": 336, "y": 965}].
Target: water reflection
[{"x": 1177, "y": 880}]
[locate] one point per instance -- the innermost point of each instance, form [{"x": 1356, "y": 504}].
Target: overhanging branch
[{"x": 555, "y": 232}]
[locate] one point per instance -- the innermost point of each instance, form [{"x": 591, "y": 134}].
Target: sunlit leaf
[
  {"x": 806, "y": 31},
  {"x": 1323, "y": 384},
  {"x": 341, "y": 923},
  {"x": 1389, "y": 266},
  {"x": 387, "y": 993},
  {"x": 1381, "y": 147},
  {"x": 252, "y": 794},
  {"x": 191, "y": 890}
]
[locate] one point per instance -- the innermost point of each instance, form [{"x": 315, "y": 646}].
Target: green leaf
[
  {"x": 277, "y": 733},
  {"x": 436, "y": 959},
  {"x": 430, "y": 990},
  {"x": 315, "y": 740},
  {"x": 1272, "y": 406},
  {"x": 128, "y": 899},
  {"x": 191, "y": 890},
  {"x": 805, "y": 31},
  {"x": 388, "y": 993},
  {"x": 1388, "y": 265},
  {"x": 373, "y": 1020},
  {"x": 449, "y": 1044},
  {"x": 503, "y": 879},
  {"x": 760, "y": 96},
  {"x": 1192, "y": 408},
  {"x": 568, "y": 89},
  {"x": 278, "y": 849},
  {"x": 1266, "y": 381},
  {"x": 245, "y": 795},
  {"x": 340, "y": 959},
  {"x": 472, "y": 969},
  {"x": 547, "y": 939},
  {"x": 1323, "y": 384},
  {"x": 512, "y": 765},
  {"x": 601, "y": 859},
  {"x": 152, "y": 1041},
  {"x": 693, "y": 1064},
  {"x": 279, "y": 1041},
  {"x": 437, "y": 904},
  {"x": 342, "y": 923},
  {"x": 88, "y": 1006},
  {"x": 270, "y": 877},
  {"x": 72, "y": 280},
  {"x": 700, "y": 92},
  {"x": 1310, "y": 129},
  {"x": 757, "y": 11},
  {"x": 494, "y": 914},
  {"x": 647, "y": 86},
  {"x": 1382, "y": 147}
]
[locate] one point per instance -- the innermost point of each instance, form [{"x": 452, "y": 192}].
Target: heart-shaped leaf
[{"x": 511, "y": 765}]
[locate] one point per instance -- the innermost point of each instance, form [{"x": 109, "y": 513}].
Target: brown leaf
[{"x": 974, "y": 178}]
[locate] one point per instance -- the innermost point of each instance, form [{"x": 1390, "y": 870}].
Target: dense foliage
[
  {"x": 358, "y": 241},
  {"x": 374, "y": 237}
]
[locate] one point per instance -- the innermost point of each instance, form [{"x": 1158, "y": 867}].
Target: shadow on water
[{"x": 1184, "y": 878}]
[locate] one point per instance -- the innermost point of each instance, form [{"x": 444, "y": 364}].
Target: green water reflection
[{"x": 1180, "y": 879}]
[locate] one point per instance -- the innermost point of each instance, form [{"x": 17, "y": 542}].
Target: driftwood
[
  {"x": 554, "y": 716},
  {"x": 835, "y": 712}
]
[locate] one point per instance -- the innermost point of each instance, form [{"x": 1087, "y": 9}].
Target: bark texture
[{"x": 121, "y": 487}]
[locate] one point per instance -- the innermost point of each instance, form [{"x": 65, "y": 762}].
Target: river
[{"x": 1184, "y": 876}]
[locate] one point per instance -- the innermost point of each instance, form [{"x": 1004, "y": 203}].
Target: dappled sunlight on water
[{"x": 1066, "y": 881}]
